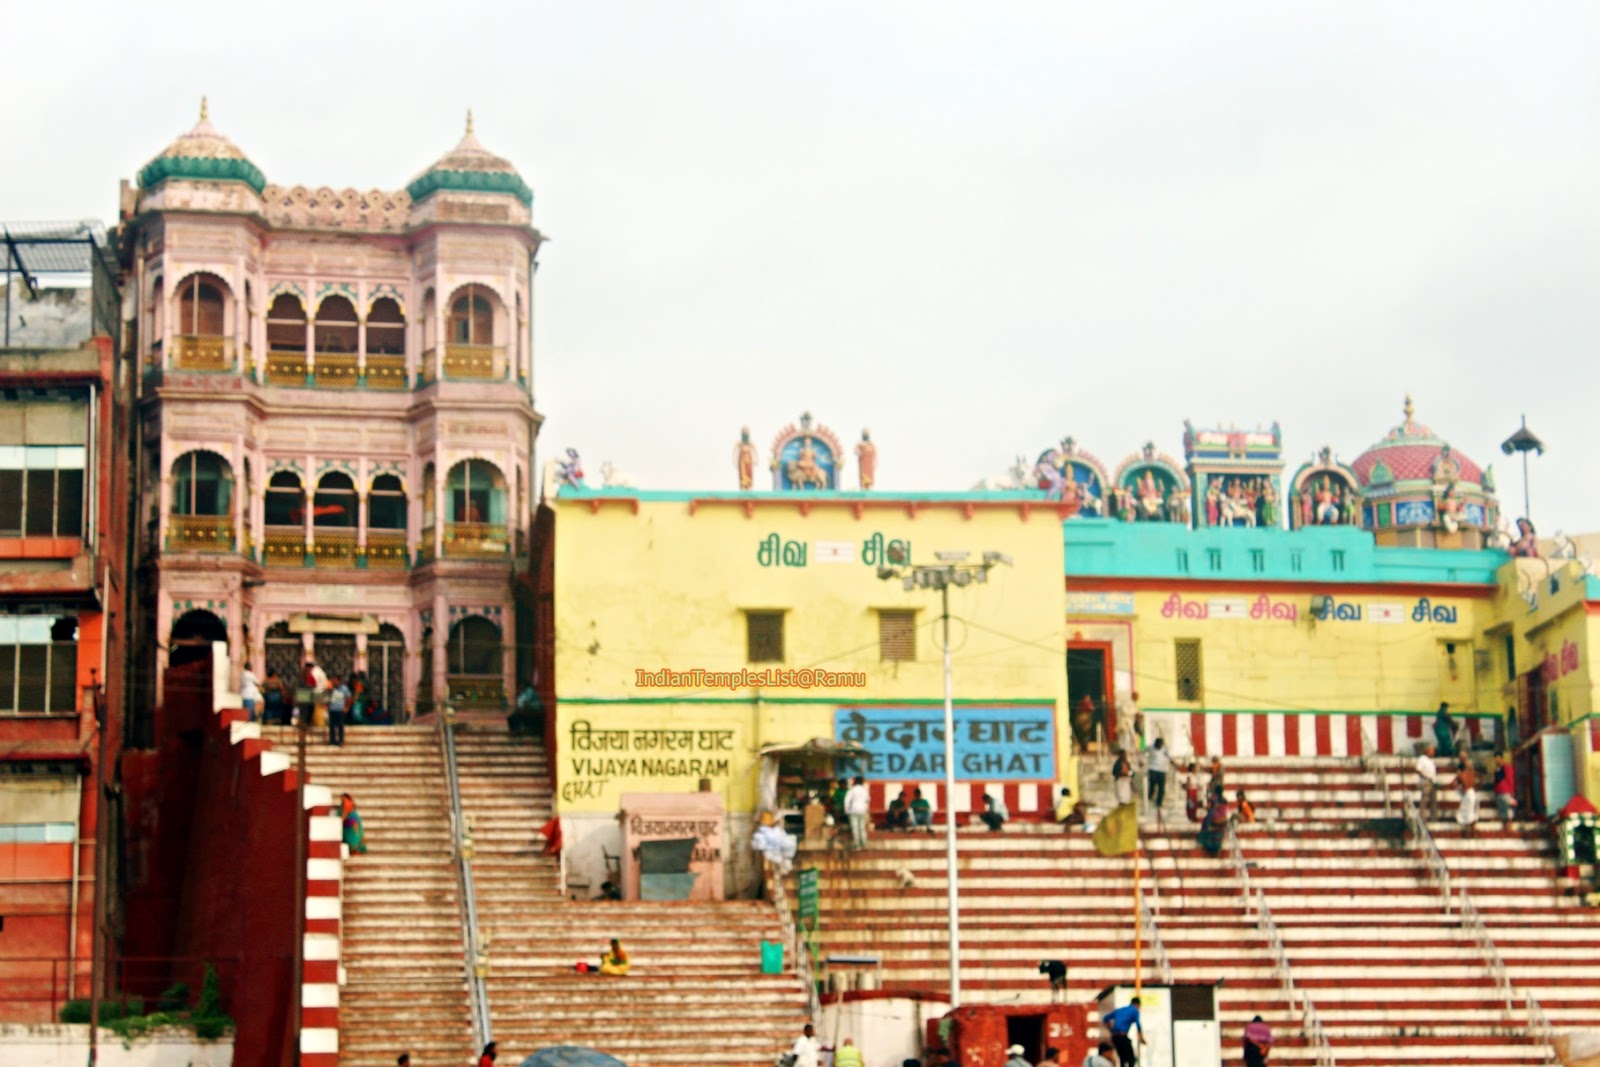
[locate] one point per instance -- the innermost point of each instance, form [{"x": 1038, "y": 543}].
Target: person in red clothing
[
  {"x": 1505, "y": 787},
  {"x": 490, "y": 1054}
]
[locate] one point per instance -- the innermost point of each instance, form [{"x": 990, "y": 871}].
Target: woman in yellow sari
[{"x": 615, "y": 961}]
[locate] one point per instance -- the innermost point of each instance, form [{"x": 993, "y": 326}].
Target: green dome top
[
  {"x": 470, "y": 168},
  {"x": 204, "y": 155}
]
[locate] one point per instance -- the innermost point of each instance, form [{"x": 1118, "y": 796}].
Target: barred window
[
  {"x": 41, "y": 490},
  {"x": 897, "y": 635},
  {"x": 38, "y": 665},
  {"x": 764, "y": 636},
  {"x": 1186, "y": 656}
]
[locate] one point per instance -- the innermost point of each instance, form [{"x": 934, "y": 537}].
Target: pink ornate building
[{"x": 337, "y": 418}]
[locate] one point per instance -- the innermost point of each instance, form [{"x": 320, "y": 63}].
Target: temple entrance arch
[{"x": 192, "y": 635}]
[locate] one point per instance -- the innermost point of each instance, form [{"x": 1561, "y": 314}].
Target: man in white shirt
[
  {"x": 807, "y": 1050},
  {"x": 249, "y": 691},
  {"x": 856, "y": 806},
  {"x": 1428, "y": 779}
]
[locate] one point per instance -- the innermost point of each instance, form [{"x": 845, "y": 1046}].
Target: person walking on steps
[
  {"x": 1121, "y": 1023},
  {"x": 807, "y": 1050},
  {"x": 1257, "y": 1043},
  {"x": 856, "y": 806},
  {"x": 1428, "y": 784},
  {"x": 1505, "y": 787},
  {"x": 1122, "y": 778},
  {"x": 338, "y": 705},
  {"x": 1157, "y": 764},
  {"x": 490, "y": 1054}
]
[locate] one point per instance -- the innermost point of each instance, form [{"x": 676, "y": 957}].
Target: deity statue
[
  {"x": 1526, "y": 544},
  {"x": 1352, "y": 507},
  {"x": 866, "y": 460},
  {"x": 1071, "y": 492},
  {"x": 570, "y": 470},
  {"x": 1178, "y": 506},
  {"x": 1267, "y": 507},
  {"x": 1327, "y": 505},
  {"x": 1152, "y": 501},
  {"x": 1445, "y": 469},
  {"x": 1236, "y": 510},
  {"x": 1049, "y": 477},
  {"x": 1304, "y": 501},
  {"x": 804, "y": 469},
  {"x": 1213, "y": 505},
  {"x": 1449, "y": 509},
  {"x": 745, "y": 459}
]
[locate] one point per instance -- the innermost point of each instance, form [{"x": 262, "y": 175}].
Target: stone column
[{"x": 440, "y": 650}]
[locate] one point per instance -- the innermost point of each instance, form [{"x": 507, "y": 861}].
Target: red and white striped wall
[
  {"x": 1245, "y": 733},
  {"x": 321, "y": 974},
  {"x": 1021, "y": 798}
]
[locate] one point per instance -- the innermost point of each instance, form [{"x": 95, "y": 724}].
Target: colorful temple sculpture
[
  {"x": 1150, "y": 487},
  {"x": 1235, "y": 475},
  {"x": 337, "y": 420},
  {"x": 1324, "y": 492},
  {"x": 806, "y": 457},
  {"x": 1418, "y": 491},
  {"x": 1074, "y": 477}
]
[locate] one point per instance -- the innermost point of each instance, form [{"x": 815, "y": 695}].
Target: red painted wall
[{"x": 216, "y": 842}]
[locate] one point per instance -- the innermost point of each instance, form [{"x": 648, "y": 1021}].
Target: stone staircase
[
  {"x": 405, "y": 987},
  {"x": 695, "y": 994}
]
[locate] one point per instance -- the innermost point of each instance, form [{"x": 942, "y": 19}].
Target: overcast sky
[{"x": 973, "y": 228}]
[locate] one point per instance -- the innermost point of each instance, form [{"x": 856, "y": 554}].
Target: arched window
[
  {"x": 334, "y": 503},
  {"x": 474, "y": 647},
  {"x": 477, "y": 492},
  {"x": 386, "y": 503},
  {"x": 472, "y": 317},
  {"x": 286, "y": 500},
  {"x": 192, "y": 637},
  {"x": 386, "y": 656},
  {"x": 202, "y": 484},
  {"x": 336, "y": 327},
  {"x": 386, "y": 328},
  {"x": 200, "y": 307},
  {"x": 286, "y": 324},
  {"x": 285, "y": 653}
]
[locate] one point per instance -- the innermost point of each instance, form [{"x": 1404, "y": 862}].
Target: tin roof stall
[
  {"x": 797, "y": 782},
  {"x": 977, "y": 1035},
  {"x": 1180, "y": 1022},
  {"x": 672, "y": 846}
]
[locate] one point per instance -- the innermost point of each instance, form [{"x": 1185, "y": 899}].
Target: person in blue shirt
[{"x": 1121, "y": 1022}]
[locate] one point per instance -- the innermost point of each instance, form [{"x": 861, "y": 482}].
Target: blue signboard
[{"x": 993, "y": 744}]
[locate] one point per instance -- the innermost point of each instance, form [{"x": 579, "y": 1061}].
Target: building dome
[
  {"x": 1411, "y": 452},
  {"x": 470, "y": 168},
  {"x": 205, "y": 155}
]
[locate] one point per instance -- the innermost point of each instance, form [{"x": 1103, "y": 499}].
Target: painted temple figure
[
  {"x": 1236, "y": 474},
  {"x": 1074, "y": 477},
  {"x": 1323, "y": 493},
  {"x": 806, "y": 456},
  {"x": 1526, "y": 543},
  {"x": 570, "y": 470},
  {"x": 1150, "y": 487},
  {"x": 1412, "y": 488},
  {"x": 744, "y": 458},
  {"x": 866, "y": 461}
]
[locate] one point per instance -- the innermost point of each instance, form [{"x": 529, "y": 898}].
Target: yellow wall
[
  {"x": 667, "y": 589},
  {"x": 1283, "y": 663}
]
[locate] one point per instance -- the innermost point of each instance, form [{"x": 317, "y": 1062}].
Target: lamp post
[
  {"x": 952, "y": 569},
  {"x": 1524, "y": 441}
]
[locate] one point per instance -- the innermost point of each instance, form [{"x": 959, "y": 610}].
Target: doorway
[
  {"x": 1528, "y": 761},
  {"x": 1091, "y": 710},
  {"x": 1027, "y": 1031}
]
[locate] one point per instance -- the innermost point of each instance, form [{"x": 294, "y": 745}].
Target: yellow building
[{"x": 692, "y": 630}]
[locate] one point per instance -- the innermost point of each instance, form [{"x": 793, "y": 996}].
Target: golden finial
[
  {"x": 205, "y": 110},
  {"x": 469, "y": 122}
]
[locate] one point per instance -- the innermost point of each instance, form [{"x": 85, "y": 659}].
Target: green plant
[
  {"x": 77, "y": 1011},
  {"x": 126, "y": 1017},
  {"x": 175, "y": 998}
]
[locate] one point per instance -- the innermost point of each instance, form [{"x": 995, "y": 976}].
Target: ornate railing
[
  {"x": 333, "y": 548},
  {"x": 284, "y": 548},
  {"x": 791, "y": 937},
  {"x": 386, "y": 551},
  {"x": 1311, "y": 1022},
  {"x": 476, "y": 540},
  {"x": 386, "y": 371},
  {"x": 337, "y": 370},
  {"x": 192, "y": 352},
  {"x": 476, "y": 690},
  {"x": 479, "y": 362},
  {"x": 200, "y": 533},
  {"x": 286, "y": 368}
]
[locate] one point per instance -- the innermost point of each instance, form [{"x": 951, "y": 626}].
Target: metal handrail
[
  {"x": 474, "y": 947},
  {"x": 1539, "y": 1028},
  {"x": 1372, "y": 759},
  {"x": 1311, "y": 1023},
  {"x": 791, "y": 936},
  {"x": 1158, "y": 950}
]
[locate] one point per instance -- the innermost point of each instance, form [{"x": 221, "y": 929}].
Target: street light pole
[
  {"x": 953, "y": 894},
  {"x": 1524, "y": 441},
  {"x": 951, "y": 570}
]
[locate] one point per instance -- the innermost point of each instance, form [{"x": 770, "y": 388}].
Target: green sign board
[{"x": 809, "y": 896}]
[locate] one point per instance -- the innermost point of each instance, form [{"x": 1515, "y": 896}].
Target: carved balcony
[
  {"x": 284, "y": 548},
  {"x": 386, "y": 371},
  {"x": 387, "y": 551},
  {"x": 200, "y": 533},
  {"x": 286, "y": 368},
  {"x": 337, "y": 370},
  {"x": 475, "y": 362},
  {"x": 333, "y": 548},
  {"x": 203, "y": 353},
  {"x": 476, "y": 540}
]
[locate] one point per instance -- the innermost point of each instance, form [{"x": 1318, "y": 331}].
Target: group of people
[
  {"x": 1430, "y": 780},
  {"x": 332, "y": 701},
  {"x": 1121, "y": 1024},
  {"x": 807, "y": 1051}
]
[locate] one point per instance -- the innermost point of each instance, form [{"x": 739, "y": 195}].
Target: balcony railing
[
  {"x": 386, "y": 551},
  {"x": 475, "y": 362},
  {"x": 200, "y": 533},
  {"x": 385, "y": 371},
  {"x": 202, "y": 353},
  {"x": 476, "y": 540},
  {"x": 477, "y": 690},
  {"x": 284, "y": 548},
  {"x": 333, "y": 548},
  {"x": 337, "y": 370},
  {"x": 286, "y": 368}
]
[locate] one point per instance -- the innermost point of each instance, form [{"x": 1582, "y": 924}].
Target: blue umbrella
[{"x": 571, "y": 1056}]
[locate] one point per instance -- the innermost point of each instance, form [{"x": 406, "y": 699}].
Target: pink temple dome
[{"x": 1409, "y": 452}]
